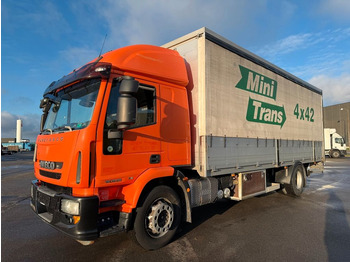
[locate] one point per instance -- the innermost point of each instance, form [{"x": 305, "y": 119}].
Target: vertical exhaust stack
[{"x": 19, "y": 131}]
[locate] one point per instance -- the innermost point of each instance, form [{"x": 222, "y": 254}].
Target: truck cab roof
[{"x": 151, "y": 61}]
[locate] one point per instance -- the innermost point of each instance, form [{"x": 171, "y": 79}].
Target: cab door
[{"x": 123, "y": 156}]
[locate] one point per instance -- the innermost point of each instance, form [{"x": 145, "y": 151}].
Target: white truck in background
[{"x": 334, "y": 144}]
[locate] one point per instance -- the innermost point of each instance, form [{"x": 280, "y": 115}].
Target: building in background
[
  {"x": 338, "y": 117},
  {"x": 17, "y": 144}
]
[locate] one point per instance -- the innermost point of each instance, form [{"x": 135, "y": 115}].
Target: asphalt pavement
[{"x": 272, "y": 227}]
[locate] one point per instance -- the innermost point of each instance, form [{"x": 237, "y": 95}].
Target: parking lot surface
[{"x": 273, "y": 227}]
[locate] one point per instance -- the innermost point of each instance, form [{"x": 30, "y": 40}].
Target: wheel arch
[
  {"x": 284, "y": 176},
  {"x": 136, "y": 193}
]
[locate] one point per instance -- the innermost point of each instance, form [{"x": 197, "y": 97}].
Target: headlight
[{"x": 70, "y": 207}]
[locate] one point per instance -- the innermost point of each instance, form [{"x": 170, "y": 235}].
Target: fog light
[{"x": 70, "y": 207}]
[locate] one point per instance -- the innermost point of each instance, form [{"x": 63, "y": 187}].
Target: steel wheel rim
[
  {"x": 299, "y": 181},
  {"x": 159, "y": 218}
]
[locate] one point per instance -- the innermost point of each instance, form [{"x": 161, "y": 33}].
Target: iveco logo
[
  {"x": 50, "y": 165},
  {"x": 47, "y": 164},
  {"x": 57, "y": 139}
]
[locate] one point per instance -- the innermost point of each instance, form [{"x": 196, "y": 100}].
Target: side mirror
[
  {"x": 129, "y": 86},
  {"x": 46, "y": 102},
  {"x": 127, "y": 103},
  {"x": 43, "y": 103}
]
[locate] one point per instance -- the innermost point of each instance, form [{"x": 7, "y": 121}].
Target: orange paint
[{"x": 124, "y": 176}]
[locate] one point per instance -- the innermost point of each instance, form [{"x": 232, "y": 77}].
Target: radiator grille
[{"x": 50, "y": 174}]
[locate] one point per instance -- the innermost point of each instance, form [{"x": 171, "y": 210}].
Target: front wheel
[
  {"x": 335, "y": 154},
  {"x": 158, "y": 218}
]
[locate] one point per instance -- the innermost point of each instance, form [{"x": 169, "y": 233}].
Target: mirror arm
[
  {"x": 43, "y": 120},
  {"x": 114, "y": 134}
]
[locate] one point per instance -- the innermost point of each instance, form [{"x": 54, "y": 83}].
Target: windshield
[{"x": 73, "y": 107}]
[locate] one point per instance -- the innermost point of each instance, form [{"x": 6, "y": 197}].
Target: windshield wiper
[
  {"x": 63, "y": 128},
  {"x": 47, "y": 130}
]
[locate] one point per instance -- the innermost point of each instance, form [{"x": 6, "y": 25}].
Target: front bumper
[{"x": 46, "y": 203}]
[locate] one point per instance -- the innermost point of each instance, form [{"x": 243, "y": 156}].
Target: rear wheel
[
  {"x": 158, "y": 218},
  {"x": 296, "y": 186}
]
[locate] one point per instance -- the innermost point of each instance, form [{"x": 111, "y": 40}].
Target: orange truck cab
[
  {"x": 93, "y": 164},
  {"x": 137, "y": 138}
]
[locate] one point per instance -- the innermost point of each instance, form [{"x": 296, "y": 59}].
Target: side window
[
  {"x": 111, "y": 115},
  {"x": 339, "y": 140},
  {"x": 145, "y": 114},
  {"x": 112, "y": 146}
]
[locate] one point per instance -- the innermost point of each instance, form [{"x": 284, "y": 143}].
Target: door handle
[{"x": 154, "y": 159}]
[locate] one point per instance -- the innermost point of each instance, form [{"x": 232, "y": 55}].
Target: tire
[
  {"x": 296, "y": 186},
  {"x": 158, "y": 218},
  {"x": 335, "y": 154}
]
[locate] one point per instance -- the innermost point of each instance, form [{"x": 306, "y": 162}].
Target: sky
[{"x": 43, "y": 40}]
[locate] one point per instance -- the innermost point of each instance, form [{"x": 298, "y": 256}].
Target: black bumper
[{"x": 46, "y": 203}]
